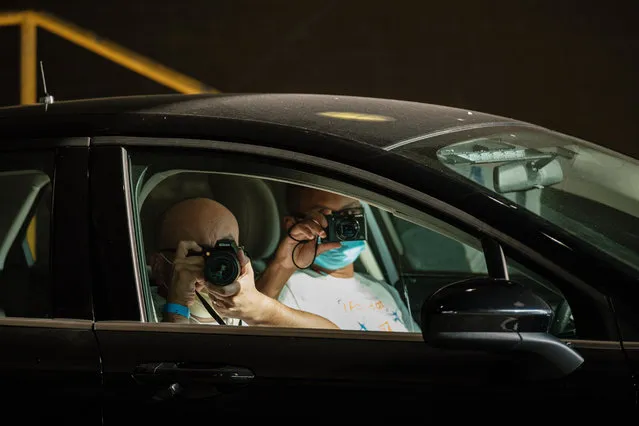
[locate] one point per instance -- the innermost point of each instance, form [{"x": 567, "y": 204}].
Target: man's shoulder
[
  {"x": 303, "y": 276},
  {"x": 375, "y": 284},
  {"x": 369, "y": 279}
]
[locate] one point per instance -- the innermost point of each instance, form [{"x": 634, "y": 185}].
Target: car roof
[{"x": 378, "y": 122}]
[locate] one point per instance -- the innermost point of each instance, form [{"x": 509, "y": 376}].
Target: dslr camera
[
  {"x": 221, "y": 262},
  {"x": 345, "y": 225}
]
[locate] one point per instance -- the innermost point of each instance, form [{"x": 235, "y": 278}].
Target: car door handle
[{"x": 185, "y": 373}]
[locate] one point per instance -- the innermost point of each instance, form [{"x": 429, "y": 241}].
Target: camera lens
[
  {"x": 221, "y": 268},
  {"x": 347, "y": 229}
]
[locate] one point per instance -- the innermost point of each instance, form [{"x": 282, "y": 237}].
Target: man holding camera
[
  {"x": 202, "y": 276},
  {"x": 313, "y": 269}
]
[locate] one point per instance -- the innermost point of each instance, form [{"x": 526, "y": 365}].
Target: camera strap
[{"x": 210, "y": 309}]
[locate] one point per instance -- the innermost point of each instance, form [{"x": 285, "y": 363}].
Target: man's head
[
  {"x": 300, "y": 199},
  {"x": 197, "y": 219}
]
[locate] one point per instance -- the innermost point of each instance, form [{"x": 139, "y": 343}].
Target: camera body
[
  {"x": 346, "y": 225},
  {"x": 221, "y": 262}
]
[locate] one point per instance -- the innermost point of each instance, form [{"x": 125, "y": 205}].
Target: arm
[
  {"x": 186, "y": 278},
  {"x": 276, "y": 314},
  {"x": 243, "y": 300},
  {"x": 301, "y": 240},
  {"x": 273, "y": 279}
]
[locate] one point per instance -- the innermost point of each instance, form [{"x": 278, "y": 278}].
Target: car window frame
[
  {"x": 251, "y": 167},
  {"x": 414, "y": 202}
]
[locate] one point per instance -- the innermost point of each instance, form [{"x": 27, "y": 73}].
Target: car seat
[
  {"x": 249, "y": 199},
  {"x": 253, "y": 204}
]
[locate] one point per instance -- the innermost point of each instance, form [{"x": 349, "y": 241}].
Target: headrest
[
  {"x": 249, "y": 199},
  {"x": 255, "y": 209}
]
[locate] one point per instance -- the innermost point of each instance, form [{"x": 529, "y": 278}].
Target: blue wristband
[{"x": 174, "y": 308}]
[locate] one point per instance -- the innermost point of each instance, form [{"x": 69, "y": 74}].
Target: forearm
[
  {"x": 276, "y": 314},
  {"x": 273, "y": 279}
]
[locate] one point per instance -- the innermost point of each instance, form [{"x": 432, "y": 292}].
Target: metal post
[
  {"x": 30, "y": 21},
  {"x": 28, "y": 88},
  {"x": 115, "y": 53},
  {"x": 28, "y": 56}
]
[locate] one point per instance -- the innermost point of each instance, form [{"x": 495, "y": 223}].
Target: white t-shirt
[{"x": 358, "y": 303}]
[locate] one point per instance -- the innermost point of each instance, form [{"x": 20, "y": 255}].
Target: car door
[
  {"x": 48, "y": 353},
  {"x": 161, "y": 371},
  {"x": 425, "y": 260}
]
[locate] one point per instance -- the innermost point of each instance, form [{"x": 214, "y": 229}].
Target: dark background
[{"x": 567, "y": 65}]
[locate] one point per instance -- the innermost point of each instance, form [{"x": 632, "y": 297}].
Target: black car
[{"x": 516, "y": 249}]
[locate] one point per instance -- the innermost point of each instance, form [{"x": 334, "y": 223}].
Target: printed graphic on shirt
[
  {"x": 372, "y": 310},
  {"x": 357, "y": 303}
]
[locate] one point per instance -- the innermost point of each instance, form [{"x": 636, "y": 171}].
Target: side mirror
[{"x": 497, "y": 315}]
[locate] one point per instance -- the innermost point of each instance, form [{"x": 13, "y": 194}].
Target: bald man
[{"x": 188, "y": 225}]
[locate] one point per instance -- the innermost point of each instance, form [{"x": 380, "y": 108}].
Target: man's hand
[
  {"x": 188, "y": 274},
  {"x": 239, "y": 299},
  {"x": 299, "y": 248}
]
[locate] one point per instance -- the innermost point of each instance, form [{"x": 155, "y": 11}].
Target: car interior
[
  {"x": 416, "y": 259},
  {"x": 252, "y": 202},
  {"x": 256, "y": 203}
]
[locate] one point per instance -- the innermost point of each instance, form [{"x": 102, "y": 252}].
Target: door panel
[
  {"x": 49, "y": 359},
  {"x": 225, "y": 371},
  {"x": 632, "y": 350},
  {"x": 55, "y": 365}
]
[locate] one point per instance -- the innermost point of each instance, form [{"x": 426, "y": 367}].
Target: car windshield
[{"x": 586, "y": 189}]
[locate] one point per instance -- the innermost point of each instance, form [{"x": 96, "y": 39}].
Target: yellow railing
[{"x": 30, "y": 21}]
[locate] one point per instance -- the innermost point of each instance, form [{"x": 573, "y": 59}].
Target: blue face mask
[{"x": 340, "y": 257}]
